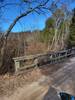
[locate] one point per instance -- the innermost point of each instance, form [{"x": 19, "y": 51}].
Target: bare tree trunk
[
  {"x": 4, "y": 43},
  {"x": 54, "y": 41},
  {"x": 3, "y": 56}
]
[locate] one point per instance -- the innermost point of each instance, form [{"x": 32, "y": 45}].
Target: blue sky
[{"x": 30, "y": 22}]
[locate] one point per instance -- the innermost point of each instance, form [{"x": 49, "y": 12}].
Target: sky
[{"x": 29, "y": 23}]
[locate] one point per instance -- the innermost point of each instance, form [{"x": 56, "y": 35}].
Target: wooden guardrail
[{"x": 25, "y": 62}]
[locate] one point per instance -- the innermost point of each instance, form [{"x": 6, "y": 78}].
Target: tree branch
[
  {"x": 21, "y": 16},
  {"x": 9, "y": 4}
]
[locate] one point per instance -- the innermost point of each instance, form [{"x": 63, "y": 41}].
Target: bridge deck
[{"x": 64, "y": 78}]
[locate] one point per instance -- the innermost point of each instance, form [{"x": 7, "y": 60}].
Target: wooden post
[
  {"x": 66, "y": 54},
  {"x": 59, "y": 55},
  {"x": 50, "y": 58},
  {"x": 17, "y": 65},
  {"x": 36, "y": 62}
]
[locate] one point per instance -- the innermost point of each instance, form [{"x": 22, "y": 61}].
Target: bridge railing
[{"x": 26, "y": 62}]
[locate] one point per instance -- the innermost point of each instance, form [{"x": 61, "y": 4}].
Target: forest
[
  {"x": 37, "y": 49},
  {"x": 58, "y": 34}
]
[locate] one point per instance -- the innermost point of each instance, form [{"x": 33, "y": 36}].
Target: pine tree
[
  {"x": 71, "y": 41},
  {"x": 47, "y": 34}
]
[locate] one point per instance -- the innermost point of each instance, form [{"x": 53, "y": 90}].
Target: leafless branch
[
  {"x": 23, "y": 15},
  {"x": 9, "y": 4}
]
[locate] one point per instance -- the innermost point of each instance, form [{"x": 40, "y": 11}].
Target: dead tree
[{"x": 37, "y": 9}]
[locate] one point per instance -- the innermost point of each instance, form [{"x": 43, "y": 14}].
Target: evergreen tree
[
  {"x": 47, "y": 34},
  {"x": 71, "y": 41}
]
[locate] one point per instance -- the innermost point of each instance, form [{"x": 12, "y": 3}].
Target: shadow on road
[{"x": 51, "y": 95}]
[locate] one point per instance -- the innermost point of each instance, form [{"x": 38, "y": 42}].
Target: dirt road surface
[
  {"x": 59, "y": 78},
  {"x": 34, "y": 91}
]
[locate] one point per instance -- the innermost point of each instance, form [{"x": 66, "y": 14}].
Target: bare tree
[
  {"x": 41, "y": 6},
  {"x": 62, "y": 18}
]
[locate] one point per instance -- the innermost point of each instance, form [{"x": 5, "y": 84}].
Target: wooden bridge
[
  {"x": 48, "y": 87},
  {"x": 25, "y": 62},
  {"x": 59, "y": 79}
]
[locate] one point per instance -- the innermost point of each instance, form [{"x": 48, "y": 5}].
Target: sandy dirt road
[
  {"x": 61, "y": 79},
  {"x": 34, "y": 91}
]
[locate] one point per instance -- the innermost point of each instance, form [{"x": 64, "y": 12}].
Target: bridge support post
[
  {"x": 17, "y": 65},
  {"x": 36, "y": 62}
]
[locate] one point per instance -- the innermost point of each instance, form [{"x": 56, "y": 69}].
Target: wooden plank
[
  {"x": 26, "y": 67},
  {"x": 44, "y": 58}
]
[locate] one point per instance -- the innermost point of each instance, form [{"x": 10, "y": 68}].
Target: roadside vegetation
[{"x": 58, "y": 34}]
